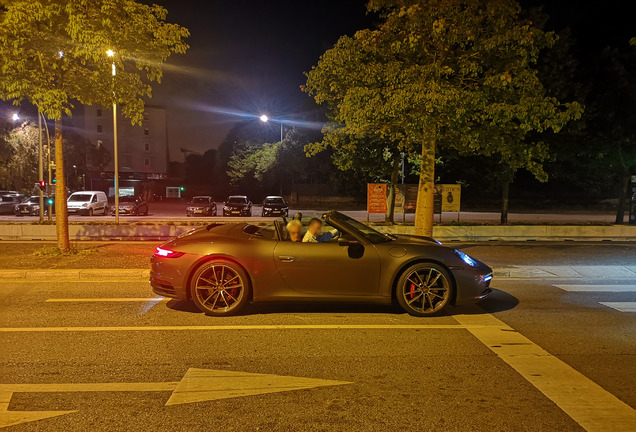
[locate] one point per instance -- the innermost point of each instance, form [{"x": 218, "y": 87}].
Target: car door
[{"x": 328, "y": 268}]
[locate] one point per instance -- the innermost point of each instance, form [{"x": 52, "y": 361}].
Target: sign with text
[
  {"x": 451, "y": 196},
  {"x": 376, "y": 198}
]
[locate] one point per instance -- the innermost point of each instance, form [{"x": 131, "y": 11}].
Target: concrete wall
[{"x": 442, "y": 233}]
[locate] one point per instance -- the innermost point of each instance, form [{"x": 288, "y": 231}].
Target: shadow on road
[{"x": 498, "y": 301}]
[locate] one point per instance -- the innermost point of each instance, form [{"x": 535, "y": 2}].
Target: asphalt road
[
  {"x": 175, "y": 210},
  {"x": 110, "y": 356}
]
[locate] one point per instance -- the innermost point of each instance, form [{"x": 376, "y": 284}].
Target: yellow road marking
[
  {"x": 114, "y": 299},
  {"x": 239, "y": 327},
  {"x": 89, "y": 387},
  {"x": 592, "y": 407}
]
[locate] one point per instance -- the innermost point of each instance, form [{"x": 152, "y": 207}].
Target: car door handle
[{"x": 286, "y": 258}]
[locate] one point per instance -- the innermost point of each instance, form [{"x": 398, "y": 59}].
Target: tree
[
  {"x": 457, "y": 73},
  {"x": 54, "y": 55},
  {"x": 20, "y": 169}
]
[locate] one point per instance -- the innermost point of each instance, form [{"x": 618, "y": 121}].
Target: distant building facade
[{"x": 142, "y": 149}]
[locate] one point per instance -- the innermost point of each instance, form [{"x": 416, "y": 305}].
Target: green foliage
[
  {"x": 54, "y": 52},
  {"x": 453, "y": 73},
  {"x": 19, "y": 170}
]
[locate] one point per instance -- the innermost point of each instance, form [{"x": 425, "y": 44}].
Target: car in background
[
  {"x": 87, "y": 203},
  {"x": 131, "y": 205},
  {"x": 31, "y": 206},
  {"x": 275, "y": 206},
  {"x": 237, "y": 205},
  {"x": 202, "y": 205},
  {"x": 223, "y": 266},
  {"x": 8, "y": 202}
]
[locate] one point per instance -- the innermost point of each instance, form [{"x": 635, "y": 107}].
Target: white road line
[
  {"x": 592, "y": 407},
  {"x": 621, "y": 306},
  {"x": 114, "y": 299},
  {"x": 239, "y": 327},
  {"x": 598, "y": 288}
]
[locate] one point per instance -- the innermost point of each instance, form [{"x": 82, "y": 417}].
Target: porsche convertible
[{"x": 221, "y": 267}]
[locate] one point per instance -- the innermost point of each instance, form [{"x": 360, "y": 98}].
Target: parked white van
[{"x": 87, "y": 203}]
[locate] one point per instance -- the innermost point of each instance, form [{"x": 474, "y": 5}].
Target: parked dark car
[
  {"x": 223, "y": 266},
  {"x": 202, "y": 205},
  {"x": 31, "y": 207},
  {"x": 237, "y": 205},
  {"x": 8, "y": 202},
  {"x": 131, "y": 205},
  {"x": 275, "y": 206}
]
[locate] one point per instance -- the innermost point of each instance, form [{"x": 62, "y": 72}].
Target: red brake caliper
[{"x": 412, "y": 290}]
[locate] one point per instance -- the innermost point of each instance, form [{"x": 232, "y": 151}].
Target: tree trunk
[
  {"x": 61, "y": 211},
  {"x": 390, "y": 216},
  {"x": 622, "y": 194},
  {"x": 504, "y": 201},
  {"x": 426, "y": 187}
]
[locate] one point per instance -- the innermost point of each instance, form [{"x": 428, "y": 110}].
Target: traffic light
[
  {"x": 50, "y": 201},
  {"x": 42, "y": 185},
  {"x": 181, "y": 188},
  {"x": 54, "y": 181}
]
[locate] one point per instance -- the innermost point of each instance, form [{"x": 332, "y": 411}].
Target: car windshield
[
  {"x": 127, "y": 199},
  {"x": 34, "y": 200},
  {"x": 365, "y": 231},
  {"x": 80, "y": 197},
  {"x": 237, "y": 200},
  {"x": 200, "y": 200},
  {"x": 274, "y": 201}
]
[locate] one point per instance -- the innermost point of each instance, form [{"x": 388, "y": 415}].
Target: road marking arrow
[
  {"x": 197, "y": 385},
  {"x": 200, "y": 385}
]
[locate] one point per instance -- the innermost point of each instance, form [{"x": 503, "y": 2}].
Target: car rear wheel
[
  {"x": 424, "y": 289},
  {"x": 219, "y": 288}
]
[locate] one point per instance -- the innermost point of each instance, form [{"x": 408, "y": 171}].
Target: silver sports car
[{"x": 221, "y": 267}]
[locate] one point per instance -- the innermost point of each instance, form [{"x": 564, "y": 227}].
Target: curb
[{"x": 76, "y": 274}]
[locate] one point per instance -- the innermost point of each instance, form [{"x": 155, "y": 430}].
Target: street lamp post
[
  {"x": 110, "y": 53},
  {"x": 264, "y": 118},
  {"x": 40, "y": 168}
]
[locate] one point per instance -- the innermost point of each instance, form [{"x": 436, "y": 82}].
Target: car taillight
[{"x": 167, "y": 253}]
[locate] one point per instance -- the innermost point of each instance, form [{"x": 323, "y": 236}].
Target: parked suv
[
  {"x": 31, "y": 206},
  {"x": 87, "y": 203},
  {"x": 131, "y": 205},
  {"x": 275, "y": 206}
]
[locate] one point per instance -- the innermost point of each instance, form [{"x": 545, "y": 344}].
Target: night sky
[{"x": 248, "y": 56}]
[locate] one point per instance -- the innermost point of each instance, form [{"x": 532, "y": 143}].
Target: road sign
[
  {"x": 451, "y": 197},
  {"x": 376, "y": 198},
  {"x": 197, "y": 385}
]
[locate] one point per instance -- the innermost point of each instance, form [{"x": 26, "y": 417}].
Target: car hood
[
  {"x": 414, "y": 239},
  {"x": 275, "y": 206},
  {"x": 236, "y": 205}
]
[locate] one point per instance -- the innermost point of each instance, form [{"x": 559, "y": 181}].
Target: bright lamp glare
[
  {"x": 110, "y": 53},
  {"x": 15, "y": 117},
  {"x": 264, "y": 118}
]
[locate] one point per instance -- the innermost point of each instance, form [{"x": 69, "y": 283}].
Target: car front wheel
[
  {"x": 424, "y": 289},
  {"x": 219, "y": 288}
]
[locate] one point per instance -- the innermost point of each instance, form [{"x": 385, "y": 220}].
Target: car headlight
[
  {"x": 85, "y": 205},
  {"x": 266, "y": 208},
  {"x": 16, "y": 207},
  {"x": 36, "y": 207},
  {"x": 464, "y": 257}
]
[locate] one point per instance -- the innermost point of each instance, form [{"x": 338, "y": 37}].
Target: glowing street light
[
  {"x": 15, "y": 117},
  {"x": 264, "y": 118}
]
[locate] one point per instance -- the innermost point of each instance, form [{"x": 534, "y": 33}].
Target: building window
[
  {"x": 146, "y": 131},
  {"x": 147, "y": 146},
  {"x": 147, "y": 162},
  {"x": 99, "y": 128},
  {"x": 99, "y": 112}
]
